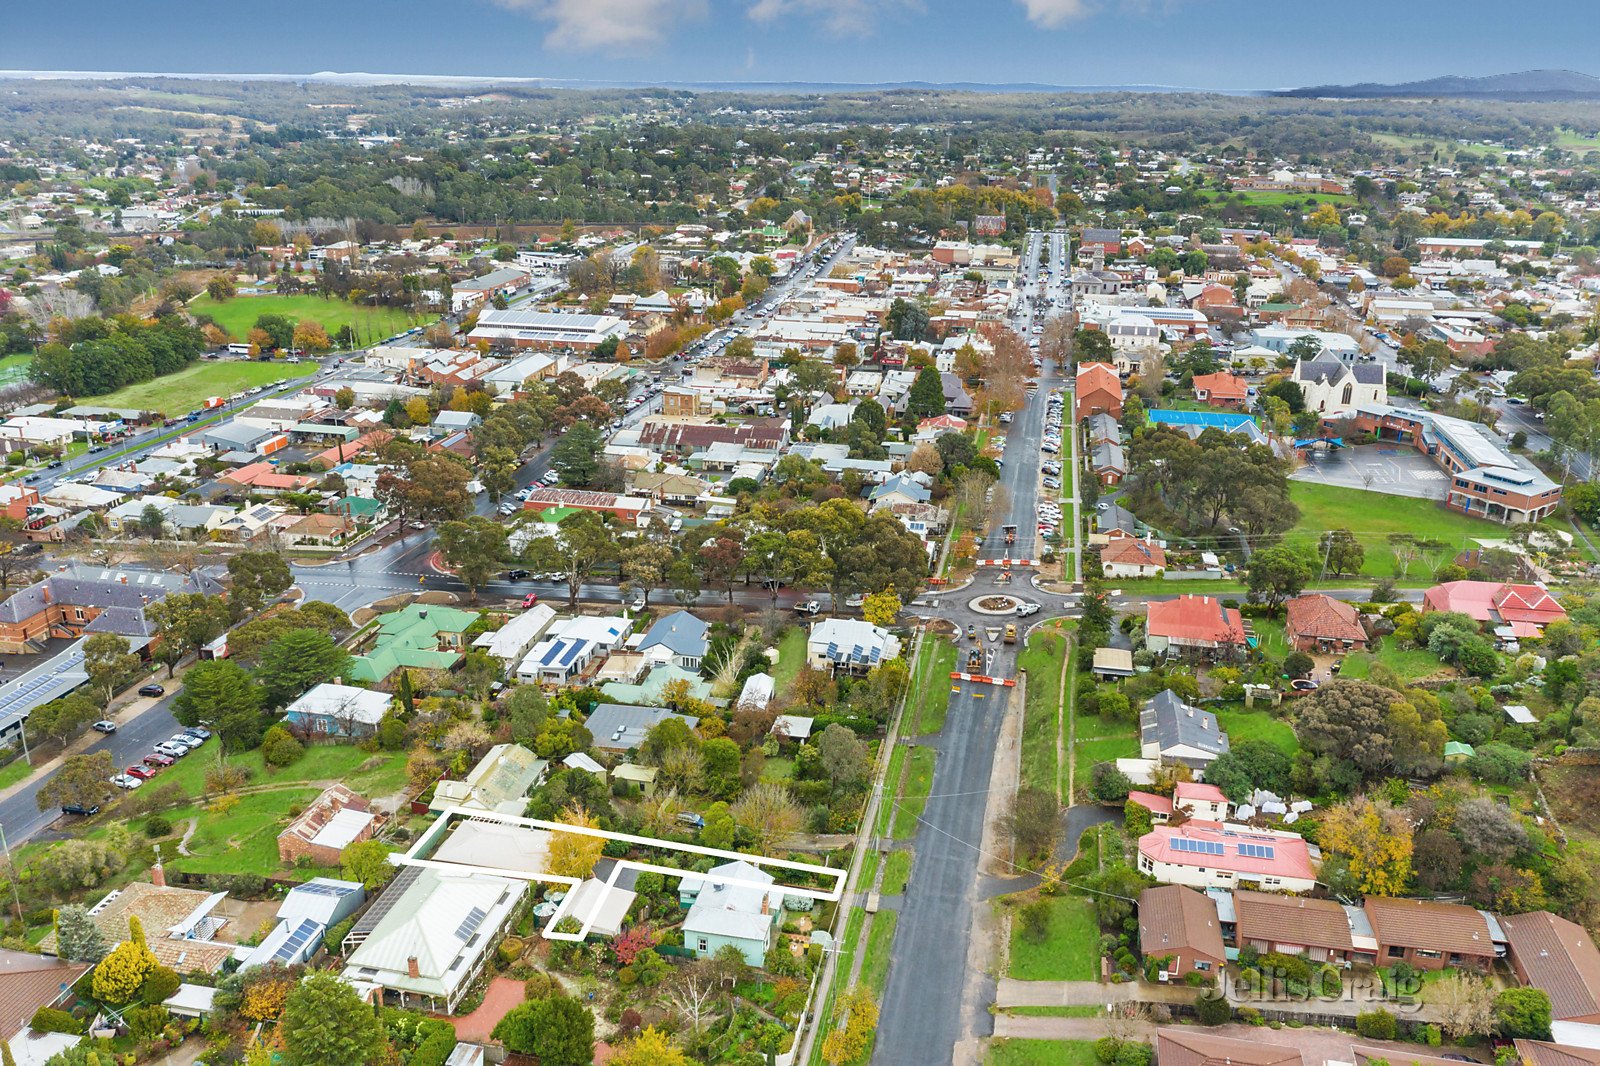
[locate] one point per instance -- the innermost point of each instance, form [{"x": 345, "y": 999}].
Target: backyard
[
  {"x": 1241, "y": 724},
  {"x": 371, "y": 324},
  {"x": 188, "y": 389},
  {"x": 1409, "y": 664}
]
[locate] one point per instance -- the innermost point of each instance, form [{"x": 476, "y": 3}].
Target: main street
[{"x": 935, "y": 998}]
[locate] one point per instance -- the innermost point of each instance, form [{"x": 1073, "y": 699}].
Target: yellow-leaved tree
[
  {"x": 1375, "y": 840},
  {"x": 119, "y": 976},
  {"x": 651, "y": 1047},
  {"x": 880, "y": 608},
  {"x": 574, "y": 854},
  {"x": 855, "y": 1019}
]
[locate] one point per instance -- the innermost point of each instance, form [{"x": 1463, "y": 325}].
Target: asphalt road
[
  {"x": 20, "y": 813},
  {"x": 933, "y": 998}
]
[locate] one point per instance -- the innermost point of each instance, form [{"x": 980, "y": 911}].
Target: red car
[
  {"x": 157, "y": 760},
  {"x": 529, "y": 600},
  {"x": 143, "y": 773}
]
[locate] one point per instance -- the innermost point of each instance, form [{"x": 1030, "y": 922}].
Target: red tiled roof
[
  {"x": 1134, "y": 552},
  {"x": 1290, "y": 856},
  {"x": 1484, "y": 600},
  {"x": 1195, "y": 618},
  {"x": 1557, "y": 956},
  {"x": 1316, "y": 615},
  {"x": 1198, "y": 791},
  {"x": 1098, "y": 377},
  {"x": 1177, "y": 920},
  {"x": 1152, "y": 802},
  {"x": 1431, "y": 926},
  {"x": 1280, "y": 919},
  {"x": 1222, "y": 386}
]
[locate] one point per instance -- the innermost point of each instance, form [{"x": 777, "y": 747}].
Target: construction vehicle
[
  {"x": 1011, "y": 632},
  {"x": 975, "y": 659},
  {"x": 1011, "y": 534}
]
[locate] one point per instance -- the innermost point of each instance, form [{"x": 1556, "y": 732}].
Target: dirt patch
[
  {"x": 1572, "y": 788},
  {"x": 997, "y": 603}
]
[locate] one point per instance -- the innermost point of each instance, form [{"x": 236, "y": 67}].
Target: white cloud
[
  {"x": 592, "y": 25},
  {"x": 1053, "y": 13},
  {"x": 839, "y": 17}
]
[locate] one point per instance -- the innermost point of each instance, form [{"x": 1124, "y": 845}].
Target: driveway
[
  {"x": 1395, "y": 469},
  {"x": 502, "y": 994}
]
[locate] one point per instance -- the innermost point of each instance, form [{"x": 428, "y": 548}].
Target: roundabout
[{"x": 995, "y": 604}]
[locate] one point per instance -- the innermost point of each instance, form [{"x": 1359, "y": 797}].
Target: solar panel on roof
[
  {"x": 322, "y": 890},
  {"x": 1256, "y": 851},
  {"x": 1198, "y": 847},
  {"x": 290, "y": 948},
  {"x": 470, "y": 924}
]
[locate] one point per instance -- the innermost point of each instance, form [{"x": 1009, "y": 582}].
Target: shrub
[
  {"x": 1034, "y": 919},
  {"x": 156, "y": 826},
  {"x": 333, "y": 939},
  {"x": 1250, "y": 1016},
  {"x": 1431, "y": 1036},
  {"x": 1376, "y": 1025},
  {"x": 1212, "y": 1010},
  {"x": 280, "y": 748},
  {"x": 50, "y": 1020}
]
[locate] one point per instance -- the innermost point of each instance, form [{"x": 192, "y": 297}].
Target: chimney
[
  {"x": 158, "y": 873},
  {"x": 766, "y": 904},
  {"x": 44, "y": 593},
  {"x": 412, "y": 969}
]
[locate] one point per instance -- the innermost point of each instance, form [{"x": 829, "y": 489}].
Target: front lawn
[
  {"x": 1373, "y": 516},
  {"x": 1070, "y": 950},
  {"x": 371, "y": 324},
  {"x": 1100, "y": 739},
  {"x": 322, "y": 764},
  {"x": 189, "y": 388},
  {"x": 791, "y": 657},
  {"x": 1241, "y": 724}
]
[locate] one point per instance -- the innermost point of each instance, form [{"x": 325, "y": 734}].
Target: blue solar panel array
[
  {"x": 289, "y": 951},
  {"x": 1198, "y": 847},
  {"x": 469, "y": 924},
  {"x": 1257, "y": 851}
]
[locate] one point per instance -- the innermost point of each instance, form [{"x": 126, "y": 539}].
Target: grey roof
[
  {"x": 1103, "y": 427},
  {"x": 1108, "y": 456},
  {"x": 903, "y": 485},
  {"x": 679, "y": 632},
  {"x": 1168, "y": 722},
  {"x": 623, "y": 726},
  {"x": 91, "y": 586},
  {"x": 1116, "y": 516},
  {"x": 1369, "y": 373},
  {"x": 235, "y": 436}
]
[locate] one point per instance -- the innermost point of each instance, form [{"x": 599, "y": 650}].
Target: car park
[{"x": 104, "y": 725}]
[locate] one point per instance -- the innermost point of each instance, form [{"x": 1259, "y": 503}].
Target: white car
[
  {"x": 171, "y": 750},
  {"x": 551, "y": 478},
  {"x": 125, "y": 781},
  {"x": 185, "y": 740}
]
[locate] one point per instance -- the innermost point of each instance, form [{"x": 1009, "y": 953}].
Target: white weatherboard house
[
  {"x": 722, "y": 912},
  {"x": 426, "y": 939}
]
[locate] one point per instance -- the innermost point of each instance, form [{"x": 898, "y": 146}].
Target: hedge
[
  {"x": 435, "y": 1048},
  {"x": 50, "y": 1020}
]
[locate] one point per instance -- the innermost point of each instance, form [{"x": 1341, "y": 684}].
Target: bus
[{"x": 238, "y": 349}]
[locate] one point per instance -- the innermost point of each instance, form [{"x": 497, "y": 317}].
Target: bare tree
[
  {"x": 1465, "y": 1003},
  {"x": 696, "y": 993}
]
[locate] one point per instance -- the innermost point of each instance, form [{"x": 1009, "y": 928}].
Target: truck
[
  {"x": 1011, "y": 632},
  {"x": 812, "y": 607},
  {"x": 214, "y": 401}
]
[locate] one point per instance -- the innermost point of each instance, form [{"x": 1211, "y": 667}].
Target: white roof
[
  {"x": 1520, "y": 714},
  {"x": 579, "y": 761},
  {"x": 604, "y": 908},
  {"x": 757, "y": 692},
  {"x": 343, "y": 828},
  {"x": 733, "y": 910},
  {"x": 514, "y": 638},
  {"x": 363, "y": 705},
  {"x": 191, "y": 998},
  {"x": 793, "y": 726}
]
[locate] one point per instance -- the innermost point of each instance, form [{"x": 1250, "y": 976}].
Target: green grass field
[
  {"x": 791, "y": 657},
  {"x": 896, "y": 873},
  {"x": 371, "y": 324},
  {"x": 14, "y": 771},
  {"x": 1070, "y": 950},
  {"x": 934, "y": 666},
  {"x": 875, "y": 962},
  {"x": 185, "y": 391},
  {"x": 1408, "y": 663},
  {"x": 1041, "y": 722},
  {"x": 14, "y": 369},
  {"x": 1278, "y": 198},
  {"x": 1373, "y": 516},
  {"x": 891, "y": 786},
  {"x": 1102, "y": 740},
  {"x": 918, "y": 783},
  {"x": 1040, "y": 1053},
  {"x": 1241, "y": 724}
]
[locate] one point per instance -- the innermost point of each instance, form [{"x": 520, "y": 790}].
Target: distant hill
[{"x": 1525, "y": 85}]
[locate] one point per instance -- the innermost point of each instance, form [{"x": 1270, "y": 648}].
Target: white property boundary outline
[{"x": 437, "y": 831}]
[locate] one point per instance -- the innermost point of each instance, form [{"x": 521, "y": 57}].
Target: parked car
[
  {"x": 551, "y": 478},
  {"x": 104, "y": 725},
  {"x": 152, "y": 690},
  {"x": 171, "y": 750},
  {"x": 79, "y": 809},
  {"x": 812, "y": 607},
  {"x": 143, "y": 773},
  {"x": 198, "y": 731},
  {"x": 158, "y": 761},
  {"x": 125, "y": 782},
  {"x": 518, "y": 575}
]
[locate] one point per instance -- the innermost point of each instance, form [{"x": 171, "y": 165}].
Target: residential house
[
  {"x": 678, "y": 638},
  {"x": 499, "y": 783},
  {"x": 1103, "y": 429},
  {"x": 1550, "y": 953},
  {"x": 339, "y": 711},
  {"x": 621, "y": 727},
  {"x": 329, "y": 824},
  {"x": 571, "y": 645},
  {"x": 1196, "y": 799},
  {"x": 1194, "y": 625},
  {"x": 81, "y": 600},
  {"x": 1098, "y": 390},
  {"x": 1319, "y": 623},
  {"x": 1549, "y": 1053},
  {"x": 1174, "y": 732},
  {"x": 27, "y": 983},
  {"x": 1109, "y": 464},
  {"x": 421, "y": 636},
  {"x": 1221, "y": 390},
  {"x": 849, "y": 644},
  {"x": 427, "y": 938},
  {"x": 511, "y": 642},
  {"x": 181, "y": 925},
  {"x": 1214, "y": 855},
  {"x": 1526, "y": 609},
  {"x": 1294, "y": 925},
  {"x": 1190, "y": 1046},
  {"x": 732, "y": 904},
  {"x": 1179, "y": 926},
  {"x": 1132, "y": 557},
  {"x": 1430, "y": 935}
]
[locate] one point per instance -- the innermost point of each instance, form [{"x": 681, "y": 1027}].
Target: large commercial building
[{"x": 546, "y": 329}]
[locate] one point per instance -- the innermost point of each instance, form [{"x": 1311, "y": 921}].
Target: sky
[{"x": 1216, "y": 44}]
